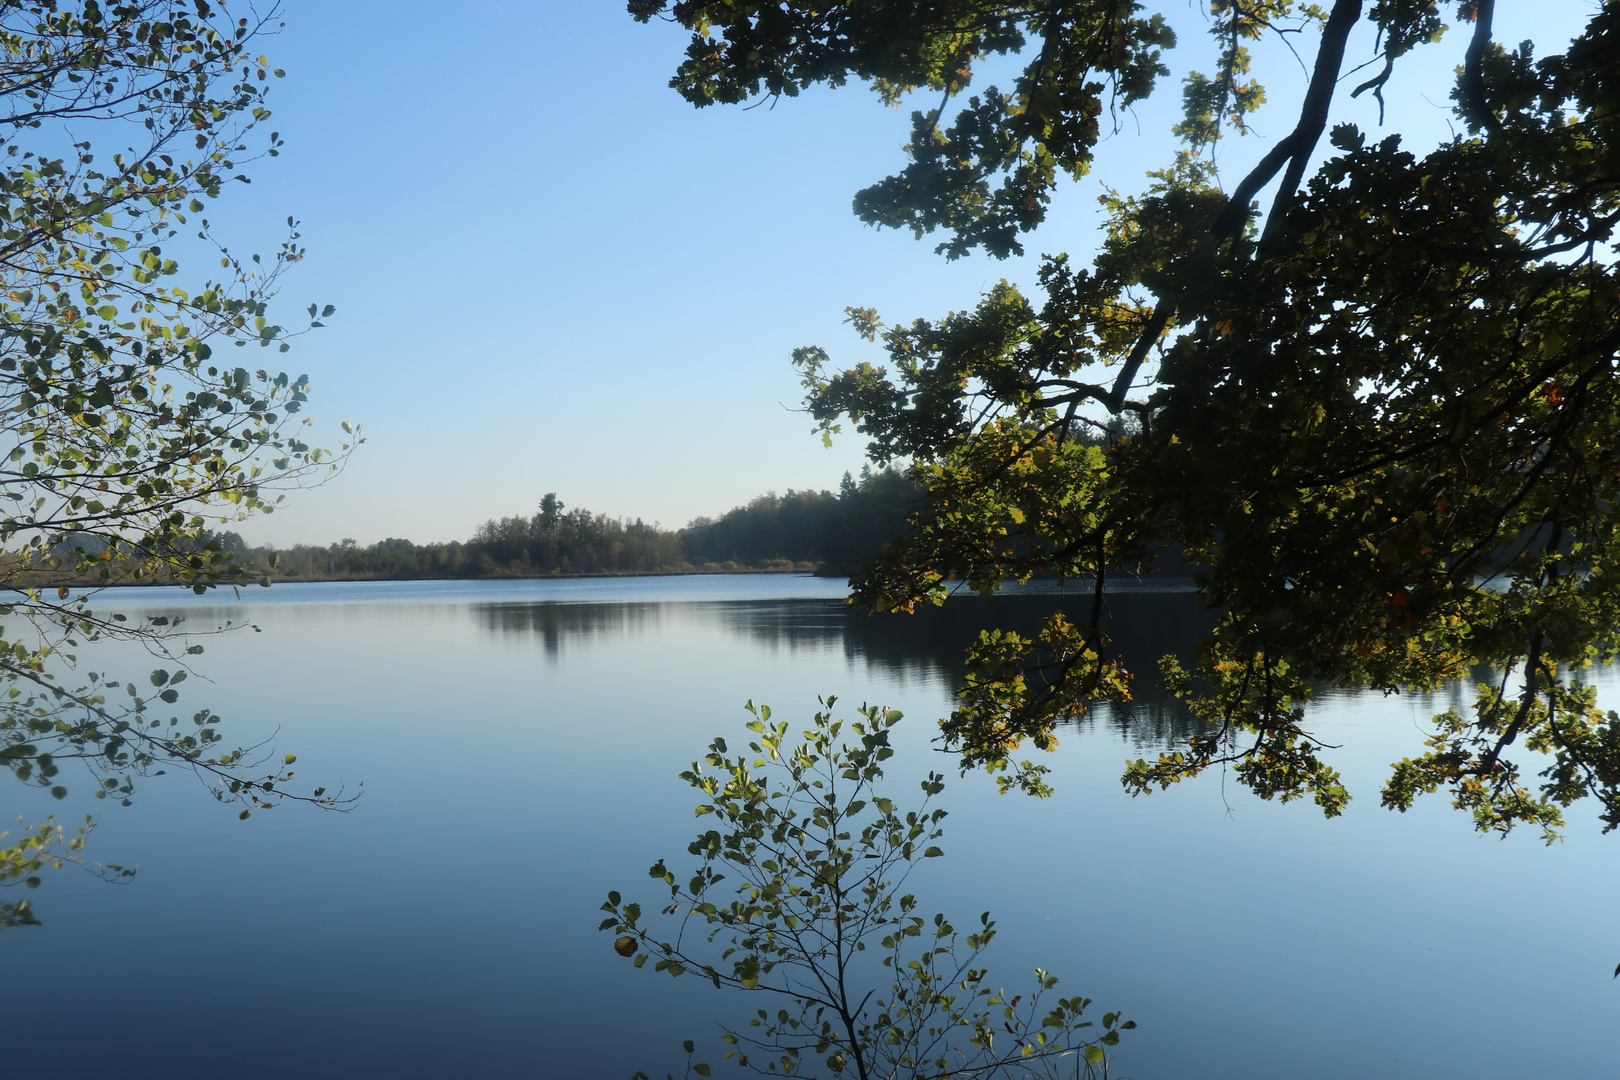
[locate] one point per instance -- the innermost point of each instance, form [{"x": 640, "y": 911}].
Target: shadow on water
[{"x": 926, "y": 645}]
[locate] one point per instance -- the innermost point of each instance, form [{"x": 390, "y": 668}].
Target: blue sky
[{"x": 552, "y": 274}]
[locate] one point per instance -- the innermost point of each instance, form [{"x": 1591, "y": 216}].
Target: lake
[{"x": 519, "y": 744}]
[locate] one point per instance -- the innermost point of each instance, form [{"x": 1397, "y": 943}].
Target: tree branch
[
  {"x": 1473, "y": 81},
  {"x": 1313, "y": 117}
]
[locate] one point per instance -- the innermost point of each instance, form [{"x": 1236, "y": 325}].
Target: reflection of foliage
[
  {"x": 927, "y": 645},
  {"x": 558, "y": 624},
  {"x": 125, "y": 430},
  {"x": 816, "y": 860},
  {"x": 1397, "y": 382}
]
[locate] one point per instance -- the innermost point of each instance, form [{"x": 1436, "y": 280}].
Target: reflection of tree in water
[
  {"x": 555, "y": 624},
  {"x": 927, "y": 645},
  {"x": 1151, "y": 722},
  {"x": 1141, "y": 628}
]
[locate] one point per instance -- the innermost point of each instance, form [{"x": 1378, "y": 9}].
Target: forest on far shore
[{"x": 824, "y": 531}]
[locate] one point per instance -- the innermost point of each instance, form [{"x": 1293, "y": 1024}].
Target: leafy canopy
[
  {"x": 124, "y": 428},
  {"x": 1371, "y": 393}
]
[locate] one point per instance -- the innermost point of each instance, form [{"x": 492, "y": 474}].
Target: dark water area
[
  {"x": 519, "y": 744},
  {"x": 1142, "y": 625}
]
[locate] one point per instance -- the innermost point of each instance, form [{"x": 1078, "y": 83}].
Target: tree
[
  {"x": 551, "y": 509},
  {"x": 127, "y": 430},
  {"x": 1379, "y": 411},
  {"x": 816, "y": 860}
]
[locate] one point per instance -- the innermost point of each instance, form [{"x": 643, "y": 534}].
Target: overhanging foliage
[{"x": 1379, "y": 409}]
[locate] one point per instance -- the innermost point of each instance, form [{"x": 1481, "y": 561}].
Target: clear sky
[{"x": 552, "y": 274}]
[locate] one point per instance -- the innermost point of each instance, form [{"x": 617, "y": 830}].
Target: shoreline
[
  {"x": 335, "y": 579},
  {"x": 1080, "y": 584}
]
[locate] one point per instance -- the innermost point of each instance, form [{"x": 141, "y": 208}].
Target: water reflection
[
  {"x": 556, "y": 624},
  {"x": 927, "y": 645},
  {"x": 519, "y": 743}
]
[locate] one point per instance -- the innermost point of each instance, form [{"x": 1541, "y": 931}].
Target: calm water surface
[{"x": 519, "y": 743}]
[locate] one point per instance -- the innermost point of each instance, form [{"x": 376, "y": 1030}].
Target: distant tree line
[
  {"x": 800, "y": 530},
  {"x": 837, "y": 532}
]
